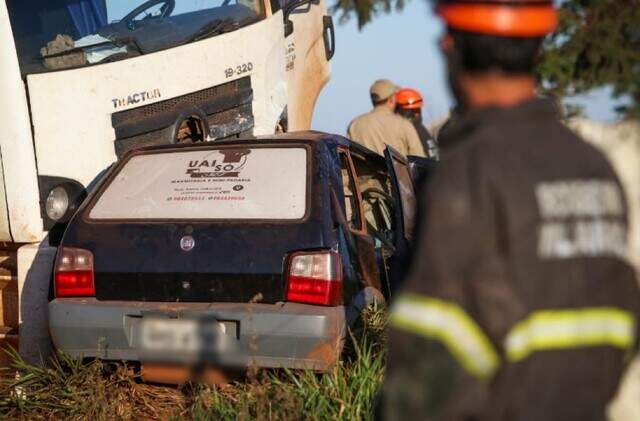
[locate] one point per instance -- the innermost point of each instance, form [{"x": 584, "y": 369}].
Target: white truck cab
[{"x": 85, "y": 81}]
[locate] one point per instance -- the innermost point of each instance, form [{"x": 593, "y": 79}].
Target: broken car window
[
  {"x": 351, "y": 204},
  {"x": 373, "y": 182}
]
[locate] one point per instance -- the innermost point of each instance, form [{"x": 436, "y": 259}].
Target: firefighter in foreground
[
  {"x": 381, "y": 126},
  {"x": 521, "y": 304},
  {"x": 409, "y": 105}
]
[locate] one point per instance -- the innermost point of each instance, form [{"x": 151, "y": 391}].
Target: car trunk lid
[{"x": 203, "y": 263}]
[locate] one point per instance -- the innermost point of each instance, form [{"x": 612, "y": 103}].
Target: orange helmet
[
  {"x": 409, "y": 99},
  {"x": 507, "y": 18}
]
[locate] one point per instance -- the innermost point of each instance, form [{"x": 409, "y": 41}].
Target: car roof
[{"x": 332, "y": 140}]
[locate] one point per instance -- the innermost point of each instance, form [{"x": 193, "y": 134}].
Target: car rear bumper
[{"x": 269, "y": 335}]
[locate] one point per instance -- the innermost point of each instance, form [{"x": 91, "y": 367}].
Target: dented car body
[{"x": 233, "y": 253}]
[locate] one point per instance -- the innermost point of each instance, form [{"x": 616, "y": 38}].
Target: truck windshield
[
  {"x": 257, "y": 183},
  {"x": 61, "y": 34}
]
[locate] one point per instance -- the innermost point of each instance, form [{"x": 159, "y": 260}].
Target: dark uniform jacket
[
  {"x": 521, "y": 304},
  {"x": 429, "y": 144}
]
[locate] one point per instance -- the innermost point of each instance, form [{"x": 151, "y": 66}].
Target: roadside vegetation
[{"x": 75, "y": 390}]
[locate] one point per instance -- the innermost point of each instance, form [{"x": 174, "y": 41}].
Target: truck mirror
[
  {"x": 286, "y": 11},
  {"x": 288, "y": 28},
  {"x": 329, "y": 37}
]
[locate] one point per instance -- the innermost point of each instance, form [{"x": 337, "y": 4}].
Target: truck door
[{"x": 308, "y": 48}]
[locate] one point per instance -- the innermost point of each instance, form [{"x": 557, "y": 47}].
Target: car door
[
  {"x": 378, "y": 209},
  {"x": 308, "y": 48},
  {"x": 404, "y": 195},
  {"x": 363, "y": 255}
]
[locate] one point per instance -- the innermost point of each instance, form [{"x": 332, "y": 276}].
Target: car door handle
[{"x": 329, "y": 36}]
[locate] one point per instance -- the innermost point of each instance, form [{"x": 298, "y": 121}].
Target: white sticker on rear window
[{"x": 229, "y": 183}]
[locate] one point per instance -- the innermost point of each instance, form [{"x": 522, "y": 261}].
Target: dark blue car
[{"x": 259, "y": 251}]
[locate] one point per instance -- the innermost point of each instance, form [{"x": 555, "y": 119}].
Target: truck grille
[{"x": 227, "y": 109}]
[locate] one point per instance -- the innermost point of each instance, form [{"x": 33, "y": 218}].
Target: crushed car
[{"x": 258, "y": 251}]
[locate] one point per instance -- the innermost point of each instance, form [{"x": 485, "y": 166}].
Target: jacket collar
[{"x": 463, "y": 124}]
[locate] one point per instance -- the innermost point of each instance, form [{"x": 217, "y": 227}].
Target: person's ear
[{"x": 446, "y": 43}]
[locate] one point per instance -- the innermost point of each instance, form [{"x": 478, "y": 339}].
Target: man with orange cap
[
  {"x": 409, "y": 105},
  {"x": 521, "y": 303}
]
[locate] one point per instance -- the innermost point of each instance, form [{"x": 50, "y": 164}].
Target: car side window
[
  {"x": 351, "y": 205},
  {"x": 375, "y": 189}
]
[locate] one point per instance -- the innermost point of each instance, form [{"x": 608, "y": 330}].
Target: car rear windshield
[{"x": 255, "y": 183}]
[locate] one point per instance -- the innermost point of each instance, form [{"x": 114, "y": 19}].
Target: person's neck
[
  {"x": 383, "y": 107},
  {"x": 497, "y": 89}
]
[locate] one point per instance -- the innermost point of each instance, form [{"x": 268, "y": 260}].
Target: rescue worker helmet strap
[{"x": 507, "y": 20}]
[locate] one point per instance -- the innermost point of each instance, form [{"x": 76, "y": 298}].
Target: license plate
[{"x": 180, "y": 335}]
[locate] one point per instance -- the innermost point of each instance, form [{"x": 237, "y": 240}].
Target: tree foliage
[
  {"x": 365, "y": 10},
  {"x": 597, "y": 44}
]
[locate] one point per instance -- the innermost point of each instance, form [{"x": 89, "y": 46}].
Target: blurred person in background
[
  {"x": 521, "y": 303},
  {"x": 442, "y": 125},
  {"x": 381, "y": 126},
  {"x": 409, "y": 105}
]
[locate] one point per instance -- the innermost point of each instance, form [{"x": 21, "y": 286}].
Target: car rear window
[{"x": 267, "y": 183}]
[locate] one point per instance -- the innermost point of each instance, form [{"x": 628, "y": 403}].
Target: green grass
[{"x": 74, "y": 390}]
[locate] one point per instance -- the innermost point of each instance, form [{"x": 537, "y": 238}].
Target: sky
[{"x": 401, "y": 46}]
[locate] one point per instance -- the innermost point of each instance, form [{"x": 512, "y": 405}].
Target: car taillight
[
  {"x": 73, "y": 274},
  {"x": 315, "y": 278}
]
